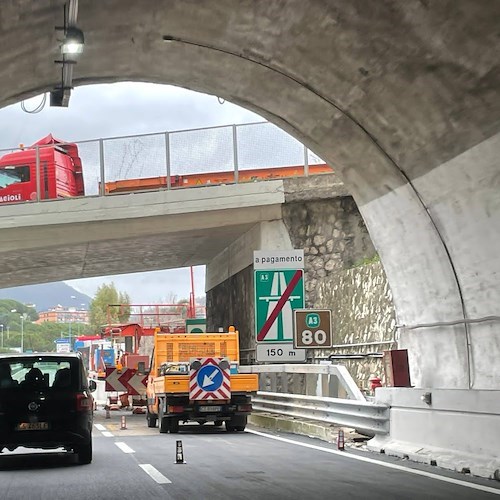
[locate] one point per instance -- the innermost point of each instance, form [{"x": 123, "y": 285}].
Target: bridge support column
[{"x": 232, "y": 273}]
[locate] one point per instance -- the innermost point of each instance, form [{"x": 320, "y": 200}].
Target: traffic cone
[
  {"x": 179, "y": 454},
  {"x": 340, "y": 440},
  {"x": 123, "y": 422}
]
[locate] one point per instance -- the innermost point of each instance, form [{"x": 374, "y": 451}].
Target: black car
[{"x": 46, "y": 402}]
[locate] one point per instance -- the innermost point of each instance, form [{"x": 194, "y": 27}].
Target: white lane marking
[
  {"x": 383, "y": 464},
  {"x": 107, "y": 434},
  {"x": 124, "y": 447},
  {"x": 100, "y": 427},
  {"x": 155, "y": 474}
]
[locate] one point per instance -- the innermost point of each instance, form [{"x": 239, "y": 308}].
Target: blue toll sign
[{"x": 209, "y": 378}]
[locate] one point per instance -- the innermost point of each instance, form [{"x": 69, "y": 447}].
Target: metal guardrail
[
  {"x": 367, "y": 418},
  {"x": 323, "y": 379},
  {"x": 322, "y": 383}
]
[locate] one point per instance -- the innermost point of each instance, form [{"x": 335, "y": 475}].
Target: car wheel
[
  {"x": 85, "y": 453},
  {"x": 218, "y": 423}
]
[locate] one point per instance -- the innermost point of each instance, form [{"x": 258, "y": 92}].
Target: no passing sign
[{"x": 312, "y": 328}]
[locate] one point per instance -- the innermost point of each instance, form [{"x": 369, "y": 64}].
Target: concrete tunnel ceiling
[{"x": 389, "y": 92}]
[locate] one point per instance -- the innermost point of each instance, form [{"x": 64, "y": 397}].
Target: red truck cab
[{"x": 61, "y": 173}]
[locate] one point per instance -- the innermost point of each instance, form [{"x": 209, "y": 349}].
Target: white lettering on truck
[{"x": 10, "y": 197}]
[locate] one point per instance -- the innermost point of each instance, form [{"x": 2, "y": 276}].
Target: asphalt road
[{"x": 139, "y": 463}]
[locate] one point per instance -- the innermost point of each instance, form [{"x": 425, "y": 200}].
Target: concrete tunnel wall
[{"x": 403, "y": 98}]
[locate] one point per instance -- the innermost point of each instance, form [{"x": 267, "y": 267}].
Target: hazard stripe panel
[{"x": 210, "y": 381}]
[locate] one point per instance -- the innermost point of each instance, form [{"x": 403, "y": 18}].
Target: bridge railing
[{"x": 190, "y": 158}]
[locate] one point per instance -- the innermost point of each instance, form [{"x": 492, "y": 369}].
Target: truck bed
[{"x": 179, "y": 384}]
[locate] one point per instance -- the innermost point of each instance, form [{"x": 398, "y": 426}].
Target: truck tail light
[
  {"x": 175, "y": 409},
  {"x": 83, "y": 402},
  {"x": 245, "y": 407}
]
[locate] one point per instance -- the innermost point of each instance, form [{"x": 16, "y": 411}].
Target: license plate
[
  {"x": 211, "y": 408},
  {"x": 32, "y": 426}
]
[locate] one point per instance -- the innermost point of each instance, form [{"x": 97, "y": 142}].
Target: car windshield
[{"x": 38, "y": 374}]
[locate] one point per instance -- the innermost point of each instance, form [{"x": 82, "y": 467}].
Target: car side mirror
[{"x": 92, "y": 385}]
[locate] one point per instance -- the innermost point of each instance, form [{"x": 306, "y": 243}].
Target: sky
[{"x": 108, "y": 110}]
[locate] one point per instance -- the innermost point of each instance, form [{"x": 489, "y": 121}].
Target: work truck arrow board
[
  {"x": 209, "y": 380},
  {"x": 125, "y": 380}
]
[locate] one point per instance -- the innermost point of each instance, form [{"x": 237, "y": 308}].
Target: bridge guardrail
[
  {"x": 367, "y": 418},
  {"x": 165, "y": 157}
]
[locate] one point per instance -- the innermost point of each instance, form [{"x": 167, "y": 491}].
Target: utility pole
[{"x": 22, "y": 333}]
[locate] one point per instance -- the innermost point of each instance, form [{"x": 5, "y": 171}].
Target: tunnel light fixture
[{"x": 73, "y": 42}]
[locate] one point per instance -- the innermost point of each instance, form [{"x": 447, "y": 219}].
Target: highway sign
[
  {"x": 313, "y": 328},
  {"x": 63, "y": 345},
  {"x": 278, "y": 259},
  {"x": 279, "y": 353},
  {"x": 277, "y": 294},
  {"x": 209, "y": 378},
  {"x": 125, "y": 380}
]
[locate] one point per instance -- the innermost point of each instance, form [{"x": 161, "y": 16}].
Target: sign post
[
  {"x": 313, "y": 328},
  {"x": 279, "y": 289}
]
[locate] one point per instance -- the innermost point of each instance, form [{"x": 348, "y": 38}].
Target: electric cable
[{"x": 38, "y": 108}]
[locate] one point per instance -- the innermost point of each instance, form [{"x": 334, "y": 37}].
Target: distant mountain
[{"x": 47, "y": 296}]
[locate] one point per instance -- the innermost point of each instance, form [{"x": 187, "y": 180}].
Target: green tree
[{"x": 109, "y": 306}]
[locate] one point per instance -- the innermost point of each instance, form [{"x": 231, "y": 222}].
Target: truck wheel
[
  {"x": 174, "y": 425},
  {"x": 163, "y": 422},
  {"x": 151, "y": 419},
  {"x": 237, "y": 423}
]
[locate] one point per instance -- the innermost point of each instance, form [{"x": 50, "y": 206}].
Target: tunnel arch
[{"x": 402, "y": 99}]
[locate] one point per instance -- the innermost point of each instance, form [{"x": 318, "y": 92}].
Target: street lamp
[
  {"x": 70, "y": 319},
  {"x": 22, "y": 329},
  {"x": 22, "y": 333}
]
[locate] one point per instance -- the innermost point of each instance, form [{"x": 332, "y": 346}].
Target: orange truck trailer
[
  {"x": 211, "y": 178},
  {"x": 194, "y": 377}
]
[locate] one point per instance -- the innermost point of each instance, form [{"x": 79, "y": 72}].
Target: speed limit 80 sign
[{"x": 312, "y": 328}]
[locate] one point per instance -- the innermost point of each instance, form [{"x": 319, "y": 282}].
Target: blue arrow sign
[
  {"x": 61, "y": 341},
  {"x": 209, "y": 378}
]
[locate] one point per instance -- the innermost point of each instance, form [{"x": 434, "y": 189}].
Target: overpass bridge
[{"x": 402, "y": 97}]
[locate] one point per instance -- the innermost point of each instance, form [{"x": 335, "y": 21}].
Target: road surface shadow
[{"x": 36, "y": 459}]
